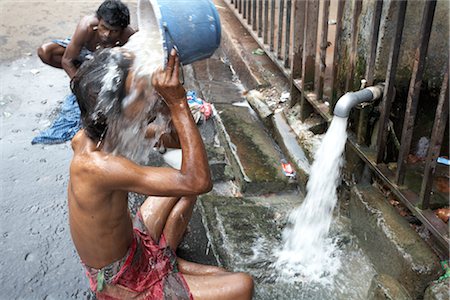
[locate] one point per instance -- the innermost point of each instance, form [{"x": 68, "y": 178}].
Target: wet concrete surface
[{"x": 38, "y": 258}]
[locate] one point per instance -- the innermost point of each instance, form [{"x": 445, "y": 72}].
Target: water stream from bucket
[
  {"x": 308, "y": 253},
  {"x": 126, "y": 133}
]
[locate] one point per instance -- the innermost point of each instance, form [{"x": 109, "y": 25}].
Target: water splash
[
  {"x": 308, "y": 253},
  {"x": 127, "y": 131}
]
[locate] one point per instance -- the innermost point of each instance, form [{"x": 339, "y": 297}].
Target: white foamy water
[
  {"x": 308, "y": 253},
  {"x": 126, "y": 131}
]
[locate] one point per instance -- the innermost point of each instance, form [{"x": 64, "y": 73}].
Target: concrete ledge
[
  {"x": 438, "y": 291},
  {"x": 254, "y": 70},
  {"x": 384, "y": 287},
  {"x": 393, "y": 246},
  {"x": 254, "y": 157}
]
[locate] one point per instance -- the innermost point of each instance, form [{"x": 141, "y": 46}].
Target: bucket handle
[{"x": 166, "y": 29}]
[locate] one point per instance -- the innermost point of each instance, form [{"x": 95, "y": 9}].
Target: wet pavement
[{"x": 38, "y": 258}]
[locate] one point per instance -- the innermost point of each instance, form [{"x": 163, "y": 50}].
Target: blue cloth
[
  {"x": 84, "y": 55},
  {"x": 64, "y": 127}
]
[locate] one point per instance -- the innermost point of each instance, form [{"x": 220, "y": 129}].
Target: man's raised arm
[
  {"x": 119, "y": 173},
  {"x": 194, "y": 167}
]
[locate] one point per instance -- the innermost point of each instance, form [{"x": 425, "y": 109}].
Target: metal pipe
[{"x": 351, "y": 99}]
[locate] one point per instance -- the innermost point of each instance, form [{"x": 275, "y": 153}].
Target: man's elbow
[
  {"x": 200, "y": 186},
  {"x": 207, "y": 186}
]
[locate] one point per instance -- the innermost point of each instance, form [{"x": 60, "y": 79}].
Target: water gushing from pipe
[{"x": 307, "y": 249}]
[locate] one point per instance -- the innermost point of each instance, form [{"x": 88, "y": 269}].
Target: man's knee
[
  {"x": 184, "y": 206},
  {"x": 51, "y": 54},
  {"x": 245, "y": 284},
  {"x": 45, "y": 54},
  {"x": 42, "y": 54},
  {"x": 190, "y": 199}
]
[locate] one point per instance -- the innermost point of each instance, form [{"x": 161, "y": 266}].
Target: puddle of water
[
  {"x": 318, "y": 258},
  {"x": 351, "y": 281}
]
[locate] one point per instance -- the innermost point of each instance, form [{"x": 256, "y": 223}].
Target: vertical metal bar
[
  {"x": 266, "y": 21},
  {"x": 323, "y": 48},
  {"x": 231, "y": 1},
  {"x": 437, "y": 136},
  {"x": 287, "y": 42},
  {"x": 389, "y": 90},
  {"x": 244, "y": 9},
  {"x": 309, "y": 45},
  {"x": 357, "y": 7},
  {"x": 236, "y": 4},
  {"x": 414, "y": 89},
  {"x": 309, "y": 54},
  {"x": 336, "y": 43},
  {"x": 272, "y": 25},
  {"x": 298, "y": 20},
  {"x": 260, "y": 18},
  {"x": 370, "y": 67},
  {"x": 240, "y": 6},
  {"x": 249, "y": 11},
  {"x": 299, "y": 31},
  {"x": 254, "y": 15},
  {"x": 280, "y": 27}
]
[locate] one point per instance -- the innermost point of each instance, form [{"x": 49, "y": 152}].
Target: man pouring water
[{"x": 127, "y": 258}]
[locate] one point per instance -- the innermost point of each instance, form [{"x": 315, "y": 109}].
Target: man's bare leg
[
  {"x": 191, "y": 268},
  {"x": 154, "y": 212},
  {"x": 168, "y": 215},
  {"x": 178, "y": 221},
  {"x": 51, "y": 54},
  {"x": 233, "y": 286},
  {"x": 171, "y": 216}
]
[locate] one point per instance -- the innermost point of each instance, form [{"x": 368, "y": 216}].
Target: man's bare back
[{"x": 100, "y": 224}]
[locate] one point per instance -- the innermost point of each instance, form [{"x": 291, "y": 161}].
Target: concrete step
[
  {"x": 387, "y": 238},
  {"x": 236, "y": 225},
  {"x": 254, "y": 71},
  {"x": 253, "y": 155}
]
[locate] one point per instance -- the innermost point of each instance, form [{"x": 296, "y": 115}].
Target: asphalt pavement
[{"x": 38, "y": 259}]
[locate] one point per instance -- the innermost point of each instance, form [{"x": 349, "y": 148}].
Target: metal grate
[{"x": 295, "y": 34}]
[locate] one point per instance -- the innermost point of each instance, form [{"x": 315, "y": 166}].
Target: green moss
[{"x": 256, "y": 163}]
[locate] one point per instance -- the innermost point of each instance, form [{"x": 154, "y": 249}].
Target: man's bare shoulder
[
  {"x": 86, "y": 157},
  {"x": 88, "y": 24},
  {"x": 126, "y": 34},
  {"x": 90, "y": 160}
]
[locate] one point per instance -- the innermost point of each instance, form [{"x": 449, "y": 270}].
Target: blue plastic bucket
[{"x": 190, "y": 26}]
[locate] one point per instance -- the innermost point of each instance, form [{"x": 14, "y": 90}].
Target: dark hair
[
  {"x": 99, "y": 86},
  {"x": 115, "y": 13}
]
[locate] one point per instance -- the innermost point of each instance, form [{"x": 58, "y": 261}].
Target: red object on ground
[
  {"x": 442, "y": 184},
  {"x": 206, "y": 109},
  {"x": 288, "y": 170}
]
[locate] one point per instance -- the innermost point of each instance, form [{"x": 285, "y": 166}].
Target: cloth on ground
[
  {"x": 200, "y": 109},
  {"x": 148, "y": 271},
  {"x": 64, "y": 127},
  {"x": 68, "y": 123}
]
